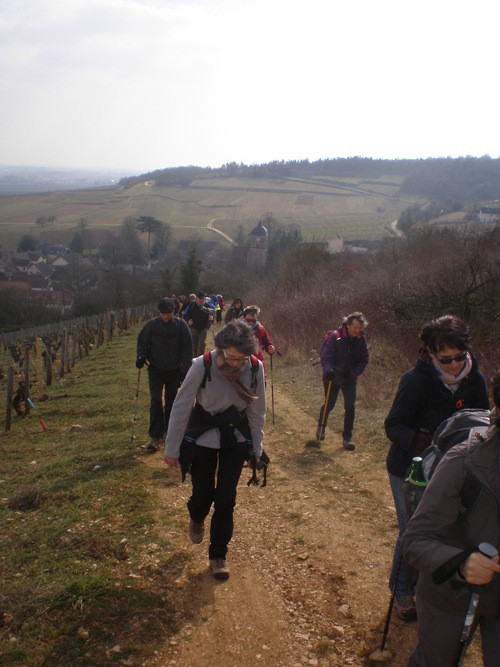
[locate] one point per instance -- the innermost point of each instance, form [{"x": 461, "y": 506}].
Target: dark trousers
[
  {"x": 198, "y": 336},
  {"x": 159, "y": 412},
  {"x": 216, "y": 484},
  {"x": 349, "y": 392}
]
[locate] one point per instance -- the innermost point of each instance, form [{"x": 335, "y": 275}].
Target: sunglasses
[
  {"x": 449, "y": 360},
  {"x": 240, "y": 360},
  {"x": 249, "y": 320}
]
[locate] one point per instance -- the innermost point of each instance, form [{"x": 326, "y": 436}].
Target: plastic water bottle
[{"x": 414, "y": 486}]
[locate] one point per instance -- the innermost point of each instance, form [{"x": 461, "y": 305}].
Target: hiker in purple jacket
[{"x": 344, "y": 358}]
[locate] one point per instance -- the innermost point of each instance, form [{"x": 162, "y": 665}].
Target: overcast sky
[{"x": 147, "y": 84}]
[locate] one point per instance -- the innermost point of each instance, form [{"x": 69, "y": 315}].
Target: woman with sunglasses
[
  {"x": 445, "y": 378},
  {"x": 214, "y": 438},
  {"x": 251, "y": 317}
]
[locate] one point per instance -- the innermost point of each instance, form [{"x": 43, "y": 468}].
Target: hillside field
[{"x": 322, "y": 208}]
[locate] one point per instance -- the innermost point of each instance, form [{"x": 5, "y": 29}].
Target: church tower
[{"x": 258, "y": 245}]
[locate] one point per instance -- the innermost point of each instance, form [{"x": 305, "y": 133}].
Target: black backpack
[
  {"x": 264, "y": 459},
  {"x": 463, "y": 426}
]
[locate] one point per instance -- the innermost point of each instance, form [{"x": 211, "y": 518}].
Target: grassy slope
[{"x": 350, "y": 208}]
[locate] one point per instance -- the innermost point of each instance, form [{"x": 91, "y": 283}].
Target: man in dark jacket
[
  {"x": 441, "y": 542},
  {"x": 165, "y": 342},
  {"x": 344, "y": 358},
  {"x": 200, "y": 317}
]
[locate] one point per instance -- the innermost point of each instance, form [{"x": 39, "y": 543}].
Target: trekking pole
[
  {"x": 326, "y": 403},
  {"x": 272, "y": 387},
  {"x": 132, "y": 437},
  {"x": 468, "y": 627}
]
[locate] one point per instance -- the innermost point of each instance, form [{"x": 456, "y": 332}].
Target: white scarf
[{"x": 452, "y": 382}]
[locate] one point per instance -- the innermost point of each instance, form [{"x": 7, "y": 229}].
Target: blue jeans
[
  {"x": 349, "y": 392},
  {"x": 407, "y": 577}
]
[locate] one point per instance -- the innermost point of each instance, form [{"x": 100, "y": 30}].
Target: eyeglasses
[
  {"x": 239, "y": 360},
  {"x": 249, "y": 320},
  {"x": 449, "y": 360}
]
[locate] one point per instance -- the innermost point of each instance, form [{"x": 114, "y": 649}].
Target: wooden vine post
[
  {"x": 10, "y": 397},
  {"x": 39, "y": 376}
]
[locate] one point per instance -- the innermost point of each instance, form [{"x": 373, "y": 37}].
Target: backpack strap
[
  {"x": 255, "y": 367},
  {"x": 472, "y": 486},
  {"x": 207, "y": 362}
]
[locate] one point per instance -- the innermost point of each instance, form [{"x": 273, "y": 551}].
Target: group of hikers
[{"x": 212, "y": 422}]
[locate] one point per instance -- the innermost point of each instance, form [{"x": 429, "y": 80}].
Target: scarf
[
  {"x": 232, "y": 374},
  {"x": 452, "y": 382}
]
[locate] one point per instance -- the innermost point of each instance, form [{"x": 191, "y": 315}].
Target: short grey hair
[
  {"x": 239, "y": 335},
  {"x": 356, "y": 316}
]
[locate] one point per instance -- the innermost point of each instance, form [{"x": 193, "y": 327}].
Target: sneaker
[
  {"x": 405, "y": 608},
  {"x": 320, "y": 433},
  {"x": 196, "y": 531},
  {"x": 349, "y": 445},
  {"x": 219, "y": 568},
  {"x": 153, "y": 445}
]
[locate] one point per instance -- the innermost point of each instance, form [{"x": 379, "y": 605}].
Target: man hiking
[
  {"x": 200, "y": 317},
  {"x": 344, "y": 358},
  {"x": 164, "y": 342}
]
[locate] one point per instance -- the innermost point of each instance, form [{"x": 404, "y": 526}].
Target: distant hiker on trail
[
  {"x": 215, "y": 438},
  {"x": 251, "y": 315},
  {"x": 165, "y": 342},
  {"x": 444, "y": 379},
  {"x": 234, "y": 310},
  {"x": 220, "y": 301},
  {"x": 186, "y": 306},
  {"x": 344, "y": 358},
  {"x": 176, "y": 304},
  {"x": 441, "y": 542},
  {"x": 200, "y": 316}
]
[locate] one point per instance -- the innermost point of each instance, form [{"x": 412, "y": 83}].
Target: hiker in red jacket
[{"x": 250, "y": 315}]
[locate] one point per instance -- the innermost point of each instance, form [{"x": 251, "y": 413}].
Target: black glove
[
  {"x": 420, "y": 441},
  {"x": 139, "y": 362},
  {"x": 330, "y": 376}
]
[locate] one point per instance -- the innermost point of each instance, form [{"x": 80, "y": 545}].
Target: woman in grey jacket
[
  {"x": 215, "y": 438},
  {"x": 441, "y": 542}
]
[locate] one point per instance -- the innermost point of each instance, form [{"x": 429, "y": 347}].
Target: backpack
[
  {"x": 326, "y": 338},
  {"x": 464, "y": 425},
  {"x": 264, "y": 459},
  {"x": 207, "y": 362}
]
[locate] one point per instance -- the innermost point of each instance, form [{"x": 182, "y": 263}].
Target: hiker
[
  {"x": 220, "y": 310},
  {"x": 234, "y": 310},
  {"x": 187, "y": 305},
  {"x": 176, "y": 304},
  {"x": 441, "y": 543},
  {"x": 250, "y": 315},
  {"x": 233, "y": 393},
  {"x": 165, "y": 342},
  {"x": 200, "y": 317},
  {"x": 343, "y": 358},
  {"x": 444, "y": 379}
]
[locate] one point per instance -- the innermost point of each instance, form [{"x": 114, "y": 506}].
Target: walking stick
[
  {"x": 326, "y": 403},
  {"x": 132, "y": 437},
  {"x": 272, "y": 387},
  {"x": 468, "y": 627}
]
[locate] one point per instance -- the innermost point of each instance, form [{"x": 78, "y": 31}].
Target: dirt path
[{"x": 309, "y": 562}]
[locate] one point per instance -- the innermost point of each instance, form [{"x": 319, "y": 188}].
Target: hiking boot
[
  {"x": 348, "y": 444},
  {"x": 405, "y": 608},
  {"x": 219, "y": 568},
  {"x": 196, "y": 531},
  {"x": 320, "y": 433},
  {"x": 153, "y": 445}
]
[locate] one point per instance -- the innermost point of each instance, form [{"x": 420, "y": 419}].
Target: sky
[{"x": 140, "y": 85}]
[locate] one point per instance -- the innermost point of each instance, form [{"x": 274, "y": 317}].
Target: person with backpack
[
  {"x": 343, "y": 358},
  {"x": 235, "y": 310},
  {"x": 200, "y": 316},
  {"x": 213, "y": 439},
  {"x": 445, "y": 378},
  {"x": 164, "y": 342},
  {"x": 441, "y": 542},
  {"x": 220, "y": 310},
  {"x": 250, "y": 315}
]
